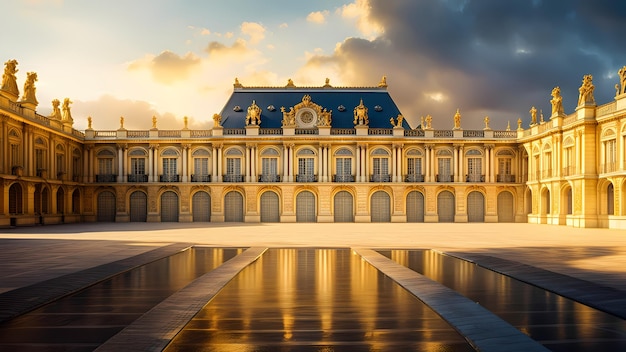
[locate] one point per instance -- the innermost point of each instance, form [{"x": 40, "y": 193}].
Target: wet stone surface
[
  {"x": 558, "y": 323},
  {"x": 84, "y": 320},
  {"x": 315, "y": 300}
]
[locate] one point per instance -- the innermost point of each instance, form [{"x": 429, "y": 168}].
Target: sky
[{"x": 176, "y": 58}]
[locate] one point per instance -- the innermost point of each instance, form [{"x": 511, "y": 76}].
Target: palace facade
[{"x": 313, "y": 154}]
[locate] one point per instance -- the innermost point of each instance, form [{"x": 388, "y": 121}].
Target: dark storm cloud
[{"x": 491, "y": 56}]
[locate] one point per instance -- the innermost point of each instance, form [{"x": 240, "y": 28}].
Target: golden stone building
[{"x": 313, "y": 154}]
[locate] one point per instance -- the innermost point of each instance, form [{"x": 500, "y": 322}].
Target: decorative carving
[
  {"x": 486, "y": 120},
  {"x": 557, "y": 102},
  {"x": 360, "y": 115},
  {"x": 327, "y": 83},
  {"x": 533, "y": 116},
  {"x": 237, "y": 84},
  {"x": 292, "y": 117},
  {"x": 253, "y": 117},
  {"x": 325, "y": 118},
  {"x": 9, "y": 81},
  {"x": 290, "y": 84},
  {"x": 383, "y": 82},
  {"x": 622, "y": 79},
  {"x": 457, "y": 120},
  {"x": 121, "y": 122},
  {"x": 154, "y": 122},
  {"x": 56, "y": 112},
  {"x": 585, "y": 96},
  {"x": 186, "y": 123},
  {"x": 429, "y": 121},
  {"x": 289, "y": 117},
  {"x": 217, "y": 120},
  {"x": 67, "y": 114},
  {"x": 29, "y": 88},
  {"x": 398, "y": 122},
  {"x": 508, "y": 125},
  {"x": 89, "y": 123}
]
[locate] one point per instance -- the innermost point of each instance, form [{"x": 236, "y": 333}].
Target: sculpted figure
[
  {"x": 56, "y": 112},
  {"x": 533, "y": 116},
  {"x": 29, "y": 88},
  {"x": 89, "y": 122},
  {"x": 67, "y": 115},
  {"x": 586, "y": 91},
  {"x": 383, "y": 82},
  {"x": 519, "y": 123},
  {"x": 429, "y": 121},
  {"x": 154, "y": 121},
  {"x": 121, "y": 122},
  {"x": 360, "y": 114},
  {"x": 237, "y": 84},
  {"x": 486, "y": 122},
  {"x": 289, "y": 117},
  {"x": 556, "y": 101},
  {"x": 253, "y": 117},
  {"x": 400, "y": 120},
  {"x": 9, "y": 81},
  {"x": 622, "y": 79},
  {"x": 422, "y": 122},
  {"x": 290, "y": 83},
  {"x": 217, "y": 120},
  {"x": 392, "y": 122},
  {"x": 325, "y": 118},
  {"x": 457, "y": 120}
]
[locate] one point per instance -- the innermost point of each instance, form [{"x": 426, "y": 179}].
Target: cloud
[
  {"x": 318, "y": 17},
  {"x": 359, "y": 11},
  {"x": 167, "y": 67},
  {"x": 107, "y": 110},
  {"x": 255, "y": 31},
  {"x": 487, "y": 58},
  {"x": 283, "y": 25}
]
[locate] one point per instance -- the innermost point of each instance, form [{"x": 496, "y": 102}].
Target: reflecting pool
[
  {"x": 84, "y": 320},
  {"x": 315, "y": 300},
  {"x": 558, "y": 323}
]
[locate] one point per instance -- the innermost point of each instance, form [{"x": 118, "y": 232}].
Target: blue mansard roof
[{"x": 341, "y": 101}]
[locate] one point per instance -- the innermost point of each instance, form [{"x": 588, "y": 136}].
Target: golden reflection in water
[
  {"x": 286, "y": 274},
  {"x": 325, "y": 266},
  {"x": 364, "y": 291}
]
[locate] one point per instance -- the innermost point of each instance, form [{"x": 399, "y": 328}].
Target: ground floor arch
[
  {"x": 380, "y": 207},
  {"x": 415, "y": 207},
  {"x": 76, "y": 202},
  {"x": 305, "y": 207},
  {"x": 270, "y": 207},
  {"x": 201, "y": 207},
  {"x": 16, "y": 199},
  {"x": 445, "y": 206},
  {"x": 169, "y": 206},
  {"x": 506, "y": 209},
  {"x": 138, "y": 207},
  {"x": 60, "y": 201},
  {"x": 106, "y": 207},
  {"x": 233, "y": 207},
  {"x": 475, "y": 207},
  {"x": 343, "y": 204}
]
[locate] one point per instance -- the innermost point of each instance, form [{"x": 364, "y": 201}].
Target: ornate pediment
[{"x": 306, "y": 114}]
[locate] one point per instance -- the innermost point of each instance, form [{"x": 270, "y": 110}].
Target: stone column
[
  {"x": 184, "y": 149},
  {"x": 120, "y": 166},
  {"x": 214, "y": 164},
  {"x": 219, "y": 163},
  {"x": 125, "y": 162},
  {"x": 492, "y": 167},
  {"x": 246, "y": 161},
  {"x": 150, "y": 170},
  {"x": 253, "y": 162},
  {"x": 357, "y": 158},
  {"x": 461, "y": 164},
  {"x": 320, "y": 162},
  {"x": 291, "y": 166},
  {"x": 285, "y": 163}
]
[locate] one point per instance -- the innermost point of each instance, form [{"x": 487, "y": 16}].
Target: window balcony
[
  {"x": 343, "y": 178},
  {"x": 474, "y": 178},
  {"x": 414, "y": 178},
  {"x": 233, "y": 178},
  {"x": 608, "y": 167},
  {"x": 169, "y": 178},
  {"x": 546, "y": 173},
  {"x": 569, "y": 171},
  {"x": 444, "y": 178},
  {"x": 106, "y": 178},
  {"x": 505, "y": 178},
  {"x": 200, "y": 178},
  {"x": 269, "y": 178},
  {"x": 380, "y": 178},
  {"x": 306, "y": 178},
  {"x": 137, "y": 178}
]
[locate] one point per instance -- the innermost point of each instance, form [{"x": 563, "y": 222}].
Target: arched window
[
  {"x": 343, "y": 166},
  {"x": 380, "y": 166},
  {"x": 234, "y": 158},
  {"x": 269, "y": 165},
  {"x": 169, "y": 159},
  {"x": 414, "y": 166},
  {"x": 306, "y": 166},
  {"x": 200, "y": 166},
  {"x": 137, "y": 172},
  {"x": 106, "y": 173}
]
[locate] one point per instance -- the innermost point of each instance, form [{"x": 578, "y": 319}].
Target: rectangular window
[
  {"x": 201, "y": 166},
  {"x": 169, "y": 166},
  {"x": 344, "y": 166},
  {"x": 75, "y": 167},
  {"x": 137, "y": 166},
  {"x": 105, "y": 166},
  {"x": 15, "y": 155},
  {"x": 444, "y": 170},
  {"x": 60, "y": 163},
  {"x": 39, "y": 159},
  {"x": 381, "y": 166},
  {"x": 609, "y": 156},
  {"x": 504, "y": 166},
  {"x": 233, "y": 166},
  {"x": 474, "y": 169},
  {"x": 414, "y": 166},
  {"x": 306, "y": 166},
  {"x": 269, "y": 166}
]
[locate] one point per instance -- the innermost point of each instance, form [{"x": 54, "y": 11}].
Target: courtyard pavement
[{"x": 41, "y": 264}]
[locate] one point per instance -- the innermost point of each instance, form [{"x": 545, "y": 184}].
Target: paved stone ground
[{"x": 563, "y": 258}]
